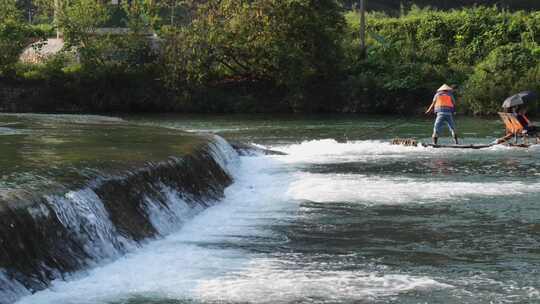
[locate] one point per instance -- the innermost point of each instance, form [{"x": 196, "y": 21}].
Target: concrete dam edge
[{"x": 45, "y": 237}]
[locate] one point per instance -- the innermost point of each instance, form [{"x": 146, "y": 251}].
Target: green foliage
[
  {"x": 290, "y": 44},
  {"x": 290, "y": 55},
  {"x": 401, "y": 7},
  {"x": 509, "y": 68},
  {"x": 79, "y": 20},
  {"x": 474, "y": 48},
  {"x": 141, "y": 15},
  {"x": 42, "y": 30},
  {"x": 13, "y": 36},
  {"x": 49, "y": 71},
  {"x": 43, "y": 11}
]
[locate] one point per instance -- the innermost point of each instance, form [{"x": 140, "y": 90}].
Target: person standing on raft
[{"x": 444, "y": 106}]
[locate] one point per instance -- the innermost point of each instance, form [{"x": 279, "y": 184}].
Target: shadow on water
[{"x": 447, "y": 235}]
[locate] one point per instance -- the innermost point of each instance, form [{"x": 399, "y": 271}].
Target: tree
[
  {"x": 291, "y": 44},
  {"x": 141, "y": 15},
  {"x": 13, "y": 35},
  {"x": 506, "y": 70},
  {"x": 44, "y": 10},
  {"x": 79, "y": 19}
]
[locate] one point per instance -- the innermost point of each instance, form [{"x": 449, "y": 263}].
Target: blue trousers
[{"x": 441, "y": 120}]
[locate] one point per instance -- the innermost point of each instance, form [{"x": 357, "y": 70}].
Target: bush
[
  {"x": 414, "y": 54},
  {"x": 51, "y": 70},
  {"x": 14, "y": 34},
  {"x": 294, "y": 44},
  {"x": 505, "y": 71},
  {"x": 42, "y": 30},
  {"x": 290, "y": 55}
]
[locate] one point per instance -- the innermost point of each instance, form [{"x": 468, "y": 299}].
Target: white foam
[
  {"x": 385, "y": 190},
  {"x": 482, "y": 285},
  {"x": 170, "y": 217},
  {"x": 204, "y": 260},
  {"x": 201, "y": 261},
  {"x": 11, "y": 289},
  {"x": 331, "y": 151},
  {"x": 9, "y": 131},
  {"x": 269, "y": 281},
  {"x": 83, "y": 213},
  {"x": 173, "y": 266},
  {"x": 224, "y": 154}
]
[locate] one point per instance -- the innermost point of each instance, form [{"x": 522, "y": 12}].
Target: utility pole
[
  {"x": 56, "y": 11},
  {"x": 363, "y": 29},
  {"x": 173, "y": 9}
]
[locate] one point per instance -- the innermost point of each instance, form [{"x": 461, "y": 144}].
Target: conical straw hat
[{"x": 445, "y": 87}]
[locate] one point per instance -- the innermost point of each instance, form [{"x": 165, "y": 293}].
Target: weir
[{"x": 52, "y": 226}]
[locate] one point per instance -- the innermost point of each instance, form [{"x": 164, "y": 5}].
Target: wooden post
[{"x": 363, "y": 29}]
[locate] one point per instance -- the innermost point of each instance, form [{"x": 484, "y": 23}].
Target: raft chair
[{"x": 514, "y": 128}]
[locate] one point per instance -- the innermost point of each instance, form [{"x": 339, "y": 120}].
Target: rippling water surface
[{"x": 345, "y": 217}]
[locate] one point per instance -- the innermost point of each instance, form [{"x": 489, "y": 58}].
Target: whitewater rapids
[{"x": 227, "y": 253}]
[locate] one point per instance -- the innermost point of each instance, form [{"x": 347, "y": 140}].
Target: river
[{"x": 344, "y": 217}]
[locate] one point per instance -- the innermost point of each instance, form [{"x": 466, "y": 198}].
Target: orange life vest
[{"x": 444, "y": 103}]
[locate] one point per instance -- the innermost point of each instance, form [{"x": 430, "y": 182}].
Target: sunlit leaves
[
  {"x": 285, "y": 42},
  {"x": 13, "y": 35}
]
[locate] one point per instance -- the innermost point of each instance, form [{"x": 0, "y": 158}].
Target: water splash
[
  {"x": 210, "y": 260},
  {"x": 332, "y": 151},
  {"x": 268, "y": 281},
  {"x": 101, "y": 222},
  {"x": 371, "y": 190}
]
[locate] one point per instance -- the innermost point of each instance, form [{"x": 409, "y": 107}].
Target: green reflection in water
[
  {"x": 42, "y": 151},
  {"x": 277, "y": 129}
]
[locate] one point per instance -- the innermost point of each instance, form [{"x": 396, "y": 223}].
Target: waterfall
[{"x": 53, "y": 236}]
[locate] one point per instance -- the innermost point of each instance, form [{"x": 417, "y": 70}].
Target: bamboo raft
[
  {"x": 513, "y": 130},
  {"x": 411, "y": 142}
]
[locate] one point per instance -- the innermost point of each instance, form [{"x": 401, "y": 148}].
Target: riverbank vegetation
[{"x": 266, "y": 56}]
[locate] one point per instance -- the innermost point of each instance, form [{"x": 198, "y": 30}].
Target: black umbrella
[
  {"x": 528, "y": 96},
  {"x": 519, "y": 99}
]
